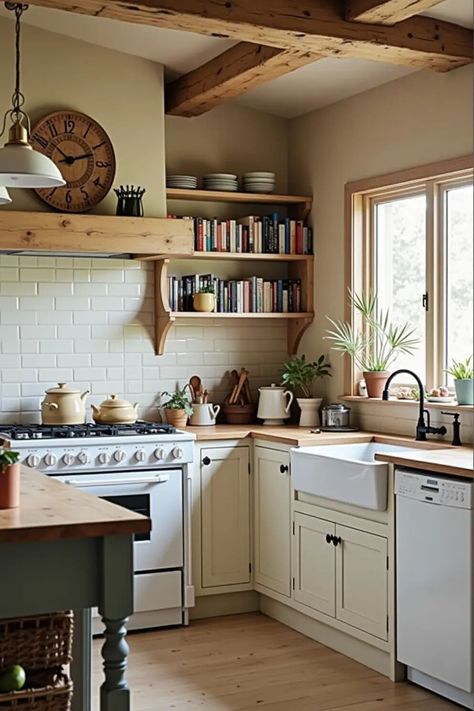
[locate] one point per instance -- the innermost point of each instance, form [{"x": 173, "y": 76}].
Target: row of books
[
  {"x": 252, "y": 295},
  {"x": 253, "y": 234}
]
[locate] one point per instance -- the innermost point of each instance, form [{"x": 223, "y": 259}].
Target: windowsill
[{"x": 447, "y": 406}]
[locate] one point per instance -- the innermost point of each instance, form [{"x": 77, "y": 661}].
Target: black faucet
[
  {"x": 456, "y": 428},
  {"x": 422, "y": 429}
]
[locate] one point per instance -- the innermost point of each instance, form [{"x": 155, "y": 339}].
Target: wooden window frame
[{"x": 433, "y": 180}]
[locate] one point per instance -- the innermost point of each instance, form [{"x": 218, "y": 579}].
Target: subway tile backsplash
[{"x": 91, "y": 322}]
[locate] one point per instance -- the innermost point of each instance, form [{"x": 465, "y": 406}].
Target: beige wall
[
  {"x": 123, "y": 93},
  {"x": 415, "y": 120}
]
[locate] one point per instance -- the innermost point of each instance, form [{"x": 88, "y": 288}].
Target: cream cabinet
[
  {"x": 341, "y": 572},
  {"x": 225, "y": 522},
  {"x": 272, "y": 497}
]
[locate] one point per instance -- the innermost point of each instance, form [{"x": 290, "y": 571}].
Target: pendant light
[
  {"x": 20, "y": 165},
  {"x": 4, "y": 196}
]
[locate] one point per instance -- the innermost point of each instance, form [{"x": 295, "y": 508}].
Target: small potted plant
[
  {"x": 376, "y": 345},
  {"x": 177, "y": 408},
  {"x": 205, "y": 299},
  {"x": 300, "y": 375},
  {"x": 9, "y": 479},
  {"x": 463, "y": 375}
]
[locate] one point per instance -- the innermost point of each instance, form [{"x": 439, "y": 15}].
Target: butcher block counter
[
  {"x": 50, "y": 510},
  {"x": 64, "y": 549},
  {"x": 455, "y": 461}
]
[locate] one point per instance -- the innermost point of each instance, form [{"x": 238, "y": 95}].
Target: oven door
[{"x": 157, "y": 494}]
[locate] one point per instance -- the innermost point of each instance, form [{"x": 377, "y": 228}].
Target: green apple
[{"x": 12, "y": 679}]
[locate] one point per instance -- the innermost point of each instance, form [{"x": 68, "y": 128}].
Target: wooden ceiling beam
[
  {"x": 231, "y": 74},
  {"x": 316, "y": 26},
  {"x": 386, "y": 12}
]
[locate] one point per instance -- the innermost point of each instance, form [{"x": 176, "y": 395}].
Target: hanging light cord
[{"x": 16, "y": 113}]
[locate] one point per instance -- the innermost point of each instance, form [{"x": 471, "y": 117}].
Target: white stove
[{"x": 145, "y": 467}]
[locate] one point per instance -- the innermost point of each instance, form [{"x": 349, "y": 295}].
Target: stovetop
[{"x": 90, "y": 430}]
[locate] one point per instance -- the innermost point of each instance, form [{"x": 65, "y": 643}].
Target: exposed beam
[
  {"x": 230, "y": 74},
  {"x": 315, "y": 26},
  {"x": 386, "y": 12}
]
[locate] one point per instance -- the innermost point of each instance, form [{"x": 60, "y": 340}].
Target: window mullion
[{"x": 432, "y": 287}]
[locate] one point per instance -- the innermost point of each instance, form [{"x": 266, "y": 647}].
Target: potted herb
[
  {"x": 177, "y": 408},
  {"x": 9, "y": 479},
  {"x": 376, "y": 345},
  {"x": 463, "y": 374},
  {"x": 205, "y": 299},
  {"x": 300, "y": 375}
]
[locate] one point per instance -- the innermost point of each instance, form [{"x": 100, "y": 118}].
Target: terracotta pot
[
  {"x": 375, "y": 381},
  {"x": 10, "y": 486},
  {"x": 178, "y": 418},
  {"x": 204, "y": 302}
]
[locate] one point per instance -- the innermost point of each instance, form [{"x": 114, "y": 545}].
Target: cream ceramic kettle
[
  {"x": 274, "y": 404},
  {"x": 64, "y": 406},
  {"x": 115, "y": 411}
]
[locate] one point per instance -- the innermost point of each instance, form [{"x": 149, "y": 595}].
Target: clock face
[{"x": 84, "y": 154}]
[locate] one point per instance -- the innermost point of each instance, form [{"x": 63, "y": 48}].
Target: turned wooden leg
[{"x": 114, "y": 692}]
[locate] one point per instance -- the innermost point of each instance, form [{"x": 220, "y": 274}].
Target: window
[{"x": 412, "y": 243}]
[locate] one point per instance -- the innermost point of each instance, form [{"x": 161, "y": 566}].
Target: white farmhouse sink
[{"x": 343, "y": 472}]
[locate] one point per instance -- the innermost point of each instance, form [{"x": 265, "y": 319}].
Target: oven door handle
[{"x": 161, "y": 479}]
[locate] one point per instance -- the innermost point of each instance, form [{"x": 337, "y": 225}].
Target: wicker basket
[
  {"x": 40, "y": 642},
  {"x": 50, "y": 698}
]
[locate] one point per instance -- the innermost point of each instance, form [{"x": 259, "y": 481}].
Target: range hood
[{"x": 99, "y": 236}]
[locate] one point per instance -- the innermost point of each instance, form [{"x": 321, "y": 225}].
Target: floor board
[{"x": 250, "y": 661}]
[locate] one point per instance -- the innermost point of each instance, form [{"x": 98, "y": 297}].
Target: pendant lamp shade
[
  {"x": 23, "y": 167},
  {"x": 4, "y": 196}
]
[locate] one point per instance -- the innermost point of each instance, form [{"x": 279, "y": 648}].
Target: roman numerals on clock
[{"x": 84, "y": 154}]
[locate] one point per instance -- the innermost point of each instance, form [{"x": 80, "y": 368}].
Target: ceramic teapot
[
  {"x": 274, "y": 404},
  {"x": 64, "y": 406},
  {"x": 115, "y": 411}
]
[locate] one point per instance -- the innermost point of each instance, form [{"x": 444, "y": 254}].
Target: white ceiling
[{"x": 306, "y": 89}]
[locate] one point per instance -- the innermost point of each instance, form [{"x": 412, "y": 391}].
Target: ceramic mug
[{"x": 204, "y": 414}]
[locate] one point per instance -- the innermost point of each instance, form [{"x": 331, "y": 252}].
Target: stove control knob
[
  {"x": 50, "y": 460},
  {"x": 177, "y": 453},
  {"x": 68, "y": 459},
  {"x": 160, "y": 453},
  {"x": 119, "y": 455},
  {"x": 83, "y": 457},
  {"x": 140, "y": 455},
  {"x": 104, "y": 458},
  {"x": 33, "y": 460}
]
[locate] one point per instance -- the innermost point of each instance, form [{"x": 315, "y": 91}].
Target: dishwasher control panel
[{"x": 434, "y": 489}]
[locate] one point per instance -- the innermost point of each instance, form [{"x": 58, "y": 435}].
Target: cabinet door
[
  {"x": 314, "y": 564},
  {"x": 225, "y": 516},
  {"x": 272, "y": 520},
  {"x": 361, "y": 580}
]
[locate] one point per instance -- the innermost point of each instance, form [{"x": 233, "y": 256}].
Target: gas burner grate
[{"x": 32, "y": 432}]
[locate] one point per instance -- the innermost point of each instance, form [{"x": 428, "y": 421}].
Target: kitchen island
[{"x": 64, "y": 549}]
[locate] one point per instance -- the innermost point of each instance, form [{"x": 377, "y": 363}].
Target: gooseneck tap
[{"x": 422, "y": 429}]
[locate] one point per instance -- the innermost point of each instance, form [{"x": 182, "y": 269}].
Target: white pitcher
[
  {"x": 273, "y": 407},
  {"x": 204, "y": 414}
]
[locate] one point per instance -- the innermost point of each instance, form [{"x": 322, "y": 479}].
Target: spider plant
[
  {"x": 375, "y": 346},
  {"x": 461, "y": 370}
]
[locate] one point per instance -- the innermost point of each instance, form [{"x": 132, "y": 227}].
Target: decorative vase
[
  {"x": 178, "y": 418},
  {"x": 10, "y": 486},
  {"x": 375, "y": 382},
  {"x": 464, "y": 391},
  {"x": 309, "y": 415},
  {"x": 204, "y": 301}
]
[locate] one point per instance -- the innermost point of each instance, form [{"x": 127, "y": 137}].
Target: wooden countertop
[
  {"x": 456, "y": 461},
  {"x": 285, "y": 434},
  {"x": 50, "y": 510}
]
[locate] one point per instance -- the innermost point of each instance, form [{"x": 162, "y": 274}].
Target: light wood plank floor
[{"x": 248, "y": 661}]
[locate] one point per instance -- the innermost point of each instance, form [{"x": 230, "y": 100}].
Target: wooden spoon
[
  {"x": 196, "y": 385},
  {"x": 242, "y": 379}
]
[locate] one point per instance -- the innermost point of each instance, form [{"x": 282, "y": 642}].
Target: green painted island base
[{"x": 77, "y": 573}]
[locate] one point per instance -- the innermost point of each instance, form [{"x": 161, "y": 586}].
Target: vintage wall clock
[{"x": 84, "y": 154}]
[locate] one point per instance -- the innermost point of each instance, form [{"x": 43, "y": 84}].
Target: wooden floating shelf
[
  {"x": 297, "y": 322},
  {"x": 224, "y": 196},
  {"x": 231, "y": 256}
]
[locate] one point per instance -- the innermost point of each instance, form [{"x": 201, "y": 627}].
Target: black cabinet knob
[
  {"x": 206, "y": 461},
  {"x": 336, "y": 540},
  {"x": 283, "y": 468},
  {"x": 329, "y": 538}
]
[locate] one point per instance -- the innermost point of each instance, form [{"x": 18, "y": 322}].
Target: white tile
[
  {"x": 30, "y": 404},
  {"x": 89, "y": 373},
  {"x": 55, "y": 289},
  {"x": 28, "y": 261},
  {"x": 109, "y": 332},
  {"x": 36, "y": 360},
  {"x": 13, "y": 375},
  {"x": 32, "y": 389},
  {"x": 74, "y": 331},
  {"x": 17, "y": 288},
  {"x": 133, "y": 304},
  {"x": 111, "y": 263},
  {"x": 10, "y": 360},
  {"x": 36, "y": 274},
  {"x": 107, "y": 276},
  {"x": 197, "y": 345},
  {"x": 72, "y": 303},
  {"x": 10, "y": 389},
  {"x": 135, "y": 277},
  {"x": 64, "y": 262},
  {"x": 107, "y": 388},
  {"x": 10, "y": 404},
  {"x": 30, "y": 418},
  {"x": 58, "y": 345},
  {"x": 8, "y": 260},
  {"x": 89, "y": 317},
  {"x": 55, "y": 317},
  {"x": 168, "y": 371},
  {"x": 109, "y": 303},
  {"x": 115, "y": 374},
  {"x": 116, "y": 346},
  {"x": 85, "y": 289},
  {"x": 165, "y": 359},
  {"x": 124, "y": 289},
  {"x": 55, "y": 375},
  {"x": 44, "y": 261},
  {"x": 133, "y": 386},
  {"x": 107, "y": 359},
  {"x": 36, "y": 303},
  {"x": 8, "y": 333},
  {"x": 28, "y": 345},
  {"x": 215, "y": 358},
  {"x": 186, "y": 358},
  {"x": 81, "y": 275},
  {"x": 132, "y": 346},
  {"x": 8, "y": 303},
  {"x": 37, "y": 332},
  {"x": 188, "y": 332},
  {"x": 64, "y": 275},
  {"x": 82, "y": 262},
  {"x": 74, "y": 360},
  {"x": 120, "y": 318},
  {"x": 9, "y": 274},
  {"x": 90, "y": 346},
  {"x": 18, "y": 317}
]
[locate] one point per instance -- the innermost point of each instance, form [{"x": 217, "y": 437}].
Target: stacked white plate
[
  {"x": 259, "y": 182},
  {"x": 189, "y": 182},
  {"x": 221, "y": 181}
]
